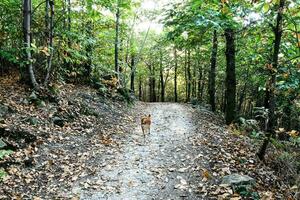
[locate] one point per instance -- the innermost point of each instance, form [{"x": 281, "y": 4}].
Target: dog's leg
[{"x": 143, "y": 129}]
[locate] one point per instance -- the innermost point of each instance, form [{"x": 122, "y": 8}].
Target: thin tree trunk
[
  {"x": 152, "y": 93},
  {"x": 27, "y": 40},
  {"x": 68, "y": 27},
  {"x": 140, "y": 89},
  {"x": 185, "y": 76},
  {"x": 200, "y": 83},
  {"x": 89, "y": 46},
  {"x": 50, "y": 27},
  {"x": 194, "y": 86},
  {"x": 162, "y": 87},
  {"x": 212, "y": 74},
  {"x": 153, "y": 84},
  {"x": 117, "y": 40},
  {"x": 242, "y": 96},
  {"x": 132, "y": 73},
  {"x": 223, "y": 97},
  {"x": 175, "y": 75},
  {"x": 271, "y": 101},
  {"x": 89, "y": 51},
  {"x": 230, "y": 111},
  {"x": 189, "y": 76}
]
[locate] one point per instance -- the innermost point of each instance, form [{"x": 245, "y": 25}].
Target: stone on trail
[
  {"x": 3, "y": 110},
  {"x": 237, "y": 179},
  {"x": 58, "y": 121}
]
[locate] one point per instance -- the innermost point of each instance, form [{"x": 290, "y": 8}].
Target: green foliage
[
  {"x": 4, "y": 153},
  {"x": 295, "y": 141},
  {"x": 256, "y": 134},
  {"x": 247, "y": 192},
  {"x": 278, "y": 144},
  {"x": 126, "y": 95},
  {"x": 2, "y": 174}
]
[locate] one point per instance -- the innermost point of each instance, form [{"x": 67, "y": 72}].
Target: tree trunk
[
  {"x": 175, "y": 75},
  {"x": 212, "y": 73},
  {"x": 27, "y": 41},
  {"x": 162, "y": 87},
  {"x": 140, "y": 89},
  {"x": 132, "y": 73},
  {"x": 67, "y": 21},
  {"x": 117, "y": 41},
  {"x": 270, "y": 94},
  {"x": 189, "y": 76},
  {"x": 185, "y": 76},
  {"x": 194, "y": 85},
  {"x": 230, "y": 111},
  {"x": 50, "y": 27},
  {"x": 152, "y": 93},
  {"x": 200, "y": 83},
  {"x": 223, "y": 99},
  {"x": 242, "y": 96},
  {"x": 89, "y": 51}
]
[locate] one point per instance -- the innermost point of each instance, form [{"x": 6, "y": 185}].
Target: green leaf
[
  {"x": 2, "y": 174},
  {"x": 266, "y": 7},
  {"x": 5, "y": 153}
]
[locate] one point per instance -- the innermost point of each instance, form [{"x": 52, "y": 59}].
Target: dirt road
[{"x": 164, "y": 166}]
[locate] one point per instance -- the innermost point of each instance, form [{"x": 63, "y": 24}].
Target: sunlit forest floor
[{"x": 83, "y": 145}]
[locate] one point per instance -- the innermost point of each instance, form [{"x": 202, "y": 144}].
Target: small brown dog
[{"x": 145, "y": 123}]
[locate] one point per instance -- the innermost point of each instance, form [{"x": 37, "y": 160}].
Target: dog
[{"x": 145, "y": 124}]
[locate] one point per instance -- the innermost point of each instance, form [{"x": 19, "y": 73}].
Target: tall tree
[
  {"x": 212, "y": 73},
  {"x": 175, "y": 75},
  {"x": 272, "y": 67},
  {"x": 230, "y": 83},
  {"x": 132, "y": 72},
  {"x": 117, "y": 38},
  {"x": 189, "y": 75},
  {"x": 27, "y": 8},
  {"x": 50, "y": 35},
  {"x": 162, "y": 85}
]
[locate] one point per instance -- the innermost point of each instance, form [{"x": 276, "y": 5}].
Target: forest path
[{"x": 165, "y": 166}]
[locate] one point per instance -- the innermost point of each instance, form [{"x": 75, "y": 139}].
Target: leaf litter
[{"x": 99, "y": 151}]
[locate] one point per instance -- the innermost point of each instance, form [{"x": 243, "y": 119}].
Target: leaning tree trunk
[
  {"x": 27, "y": 41},
  {"x": 212, "y": 74},
  {"x": 175, "y": 75},
  {"x": 271, "y": 101},
  {"x": 230, "y": 76}
]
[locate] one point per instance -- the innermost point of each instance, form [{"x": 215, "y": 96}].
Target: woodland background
[{"x": 241, "y": 59}]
